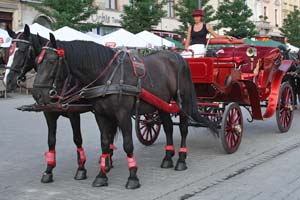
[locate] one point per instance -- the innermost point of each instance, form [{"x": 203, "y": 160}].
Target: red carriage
[{"x": 240, "y": 75}]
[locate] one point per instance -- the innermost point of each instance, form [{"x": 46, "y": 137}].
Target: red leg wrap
[
  {"x": 105, "y": 158},
  {"x": 169, "y": 148},
  {"x": 50, "y": 158},
  {"x": 112, "y": 147},
  {"x": 131, "y": 162},
  {"x": 82, "y": 156},
  {"x": 183, "y": 150}
]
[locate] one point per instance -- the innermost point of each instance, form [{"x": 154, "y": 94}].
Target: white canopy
[
  {"x": 39, "y": 29},
  {"x": 5, "y": 40},
  {"x": 94, "y": 35},
  {"x": 155, "y": 40},
  {"x": 69, "y": 34},
  {"x": 122, "y": 38},
  {"x": 292, "y": 48}
]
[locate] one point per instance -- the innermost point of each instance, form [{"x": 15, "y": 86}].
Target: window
[
  {"x": 276, "y": 18},
  {"x": 111, "y": 4},
  {"x": 265, "y": 11},
  {"x": 170, "y": 8}
]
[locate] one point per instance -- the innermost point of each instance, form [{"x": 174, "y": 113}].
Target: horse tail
[{"x": 188, "y": 96}]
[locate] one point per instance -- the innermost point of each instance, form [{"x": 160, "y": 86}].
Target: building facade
[
  {"x": 289, "y": 5},
  {"x": 109, "y": 14},
  {"x": 268, "y": 15},
  {"x": 16, "y": 14}
]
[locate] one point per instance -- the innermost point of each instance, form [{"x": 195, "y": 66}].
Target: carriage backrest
[{"x": 240, "y": 51}]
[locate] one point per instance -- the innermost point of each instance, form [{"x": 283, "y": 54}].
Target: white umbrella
[
  {"x": 69, "y": 34},
  {"x": 292, "y": 48},
  {"x": 5, "y": 40},
  {"x": 122, "y": 38},
  {"x": 155, "y": 40},
  {"x": 39, "y": 29}
]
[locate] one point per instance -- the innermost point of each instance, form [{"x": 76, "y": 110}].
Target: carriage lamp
[{"x": 251, "y": 53}]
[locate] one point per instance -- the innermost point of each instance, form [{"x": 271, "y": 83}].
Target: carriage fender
[{"x": 285, "y": 65}]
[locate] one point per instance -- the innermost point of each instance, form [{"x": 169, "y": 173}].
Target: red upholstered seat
[{"x": 236, "y": 59}]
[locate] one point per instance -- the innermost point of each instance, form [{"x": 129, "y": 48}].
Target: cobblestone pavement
[{"x": 266, "y": 165}]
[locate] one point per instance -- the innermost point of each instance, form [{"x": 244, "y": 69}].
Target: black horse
[
  {"x": 293, "y": 75},
  {"x": 25, "y": 48},
  {"x": 168, "y": 77}
]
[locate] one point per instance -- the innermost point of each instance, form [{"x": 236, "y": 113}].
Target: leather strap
[{"x": 103, "y": 90}]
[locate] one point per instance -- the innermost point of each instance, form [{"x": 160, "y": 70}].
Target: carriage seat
[{"x": 235, "y": 59}]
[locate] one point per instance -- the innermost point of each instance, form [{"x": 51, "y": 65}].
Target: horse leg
[
  {"x": 77, "y": 138},
  {"x": 112, "y": 147},
  {"x": 168, "y": 129},
  {"x": 125, "y": 125},
  {"x": 106, "y": 127},
  {"x": 183, "y": 126},
  {"x": 51, "y": 119}
]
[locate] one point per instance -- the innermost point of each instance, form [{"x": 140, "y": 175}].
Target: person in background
[{"x": 197, "y": 33}]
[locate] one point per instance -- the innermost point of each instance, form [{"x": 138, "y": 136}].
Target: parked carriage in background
[{"x": 232, "y": 77}]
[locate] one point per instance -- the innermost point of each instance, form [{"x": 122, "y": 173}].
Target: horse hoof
[
  {"x": 167, "y": 163},
  {"x": 100, "y": 182},
  {"x": 180, "y": 166},
  {"x": 47, "y": 178},
  {"x": 80, "y": 174},
  {"x": 133, "y": 183}
]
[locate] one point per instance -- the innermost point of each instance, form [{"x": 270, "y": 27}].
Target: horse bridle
[
  {"x": 15, "y": 41},
  {"x": 53, "y": 93}
]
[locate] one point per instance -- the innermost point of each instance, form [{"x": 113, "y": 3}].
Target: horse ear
[
  {"x": 26, "y": 31},
  {"x": 10, "y": 32},
  {"x": 53, "y": 40}
]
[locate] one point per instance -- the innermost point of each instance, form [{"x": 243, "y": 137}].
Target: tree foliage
[
  {"x": 73, "y": 13},
  {"x": 235, "y": 16},
  {"x": 142, "y": 15},
  {"x": 291, "y": 27},
  {"x": 184, "y": 10}
]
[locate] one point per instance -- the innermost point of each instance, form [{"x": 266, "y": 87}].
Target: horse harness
[{"x": 90, "y": 91}]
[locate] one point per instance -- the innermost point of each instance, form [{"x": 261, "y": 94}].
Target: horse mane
[{"x": 81, "y": 55}]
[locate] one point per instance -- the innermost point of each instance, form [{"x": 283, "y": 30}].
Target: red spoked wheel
[
  {"x": 149, "y": 127},
  {"x": 231, "y": 128},
  {"x": 285, "y": 107}
]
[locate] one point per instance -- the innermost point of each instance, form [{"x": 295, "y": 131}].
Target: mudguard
[{"x": 273, "y": 97}]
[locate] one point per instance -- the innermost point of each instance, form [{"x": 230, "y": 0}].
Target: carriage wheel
[
  {"x": 285, "y": 110},
  {"x": 231, "y": 128},
  {"x": 149, "y": 127}
]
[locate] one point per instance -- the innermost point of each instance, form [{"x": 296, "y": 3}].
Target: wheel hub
[{"x": 237, "y": 128}]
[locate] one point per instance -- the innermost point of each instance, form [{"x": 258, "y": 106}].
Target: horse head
[
  {"x": 52, "y": 73},
  {"x": 21, "y": 56}
]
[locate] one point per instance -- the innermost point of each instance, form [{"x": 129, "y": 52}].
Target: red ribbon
[{"x": 60, "y": 52}]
